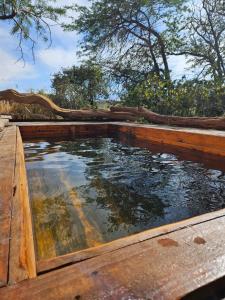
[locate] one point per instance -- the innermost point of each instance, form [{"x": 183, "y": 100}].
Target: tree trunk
[
  {"x": 199, "y": 122},
  {"x": 76, "y": 115},
  {"x": 115, "y": 113}
]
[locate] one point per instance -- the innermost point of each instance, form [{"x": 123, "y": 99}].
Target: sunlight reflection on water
[{"x": 89, "y": 191}]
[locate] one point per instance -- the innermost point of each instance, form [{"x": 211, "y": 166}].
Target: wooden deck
[{"x": 184, "y": 259}]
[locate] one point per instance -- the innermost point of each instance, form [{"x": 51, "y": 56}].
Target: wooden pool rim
[{"x": 167, "y": 262}]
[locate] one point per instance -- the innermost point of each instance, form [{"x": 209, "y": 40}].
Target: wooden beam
[
  {"x": 207, "y": 141},
  {"x": 62, "y": 130},
  {"x": 7, "y": 166},
  {"x": 22, "y": 263},
  {"x": 71, "y": 258},
  {"x": 3, "y": 123},
  {"x": 165, "y": 267}
]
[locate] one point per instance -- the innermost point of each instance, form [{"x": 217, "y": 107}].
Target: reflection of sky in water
[{"x": 89, "y": 191}]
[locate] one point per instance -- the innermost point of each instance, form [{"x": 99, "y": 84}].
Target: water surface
[{"x": 87, "y": 192}]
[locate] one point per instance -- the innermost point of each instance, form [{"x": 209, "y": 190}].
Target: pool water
[{"x": 87, "y": 192}]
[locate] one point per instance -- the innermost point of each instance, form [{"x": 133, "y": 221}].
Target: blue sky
[
  {"x": 62, "y": 53},
  {"x": 36, "y": 75}
]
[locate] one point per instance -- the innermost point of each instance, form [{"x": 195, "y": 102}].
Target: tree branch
[{"x": 115, "y": 113}]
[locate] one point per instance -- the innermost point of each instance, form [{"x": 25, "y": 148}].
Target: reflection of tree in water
[
  {"x": 53, "y": 215},
  {"x": 117, "y": 184},
  {"x": 124, "y": 206},
  {"x": 205, "y": 189},
  {"x": 83, "y": 147},
  {"x": 36, "y": 150},
  {"x": 135, "y": 188}
]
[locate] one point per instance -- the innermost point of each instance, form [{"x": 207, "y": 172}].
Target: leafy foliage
[
  {"x": 132, "y": 43},
  {"x": 136, "y": 39},
  {"x": 183, "y": 97},
  {"x": 131, "y": 30},
  {"x": 31, "y": 20},
  {"x": 81, "y": 86},
  {"x": 202, "y": 37}
]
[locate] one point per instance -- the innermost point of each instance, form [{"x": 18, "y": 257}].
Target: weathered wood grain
[
  {"x": 71, "y": 258},
  {"x": 206, "y": 141},
  {"x": 196, "y": 122},
  {"x": 165, "y": 267},
  {"x": 90, "y": 114},
  {"x": 164, "y": 263},
  {"x": 7, "y": 165},
  {"x": 22, "y": 264},
  {"x": 201, "y": 140},
  {"x": 62, "y": 131},
  {"x": 3, "y": 123}
]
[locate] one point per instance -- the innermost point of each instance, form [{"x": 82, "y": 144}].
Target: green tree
[
  {"x": 201, "y": 34},
  {"x": 77, "y": 87},
  {"x": 131, "y": 31},
  {"x": 31, "y": 20},
  {"x": 183, "y": 97}
]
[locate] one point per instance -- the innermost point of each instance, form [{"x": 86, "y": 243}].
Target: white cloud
[
  {"x": 11, "y": 70},
  {"x": 62, "y": 54},
  {"x": 57, "y": 58},
  {"x": 57, "y": 30},
  {"x": 70, "y": 13}
]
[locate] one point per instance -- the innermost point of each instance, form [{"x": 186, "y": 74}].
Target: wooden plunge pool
[
  {"x": 120, "y": 211},
  {"x": 89, "y": 191}
]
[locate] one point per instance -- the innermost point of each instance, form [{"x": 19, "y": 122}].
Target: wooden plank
[
  {"x": 22, "y": 263},
  {"x": 9, "y": 117},
  {"x": 133, "y": 132},
  {"x": 3, "y": 123},
  {"x": 7, "y": 165},
  {"x": 71, "y": 258},
  {"x": 161, "y": 265},
  {"x": 209, "y": 141},
  {"x": 166, "y": 267},
  {"x": 63, "y": 131}
]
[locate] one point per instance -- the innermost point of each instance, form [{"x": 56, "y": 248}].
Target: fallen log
[
  {"x": 114, "y": 114},
  {"x": 199, "y": 122},
  {"x": 76, "y": 115}
]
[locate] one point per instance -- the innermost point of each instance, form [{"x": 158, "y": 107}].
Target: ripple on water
[{"x": 99, "y": 188}]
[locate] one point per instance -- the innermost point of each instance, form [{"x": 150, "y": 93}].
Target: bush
[{"x": 184, "y": 97}]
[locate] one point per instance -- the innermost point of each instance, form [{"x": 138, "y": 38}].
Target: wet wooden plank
[
  {"x": 22, "y": 264},
  {"x": 128, "y": 124},
  {"x": 161, "y": 266},
  {"x": 46, "y": 265},
  {"x": 7, "y": 165},
  {"x": 210, "y": 161},
  {"x": 165, "y": 267},
  {"x": 62, "y": 131},
  {"x": 208, "y": 141}
]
